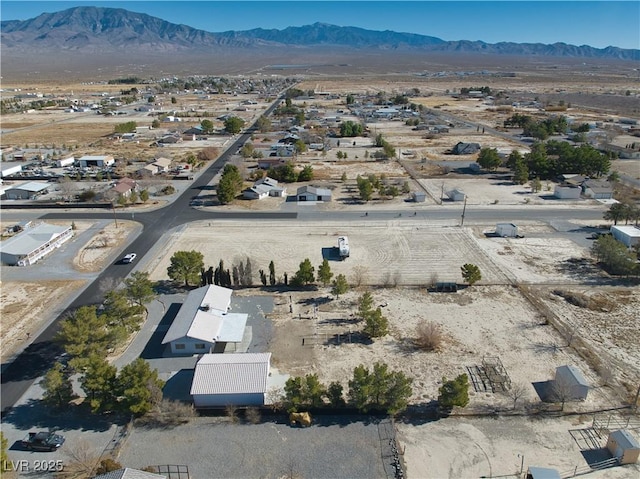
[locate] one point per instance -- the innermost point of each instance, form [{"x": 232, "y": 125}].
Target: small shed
[
  {"x": 597, "y": 189},
  {"x": 567, "y": 191},
  {"x": 507, "y": 230},
  {"x": 572, "y": 382},
  {"x": 624, "y": 446},
  {"x": 462, "y": 148},
  {"x": 456, "y": 195},
  {"x": 628, "y": 235},
  {"x": 542, "y": 473},
  {"x": 419, "y": 196}
]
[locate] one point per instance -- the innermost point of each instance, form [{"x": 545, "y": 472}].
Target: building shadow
[{"x": 154, "y": 347}]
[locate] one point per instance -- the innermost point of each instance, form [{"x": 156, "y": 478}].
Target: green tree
[
  {"x": 300, "y": 146},
  {"x": 365, "y": 188},
  {"x": 306, "y": 174},
  {"x": 365, "y": 305},
  {"x": 376, "y": 325},
  {"x": 536, "y": 185},
  {"x": 121, "y": 316},
  {"x": 339, "y": 285},
  {"x": 122, "y": 201},
  {"x": 58, "y": 390},
  {"x": 233, "y": 125},
  {"x": 471, "y": 273},
  {"x": 489, "y": 159},
  {"x": 324, "y": 272},
  {"x": 207, "y": 126},
  {"x": 305, "y": 274},
  {"x": 247, "y": 150},
  {"x": 388, "y": 150},
  {"x": 272, "y": 273},
  {"x": 133, "y": 197},
  {"x": 454, "y": 392},
  {"x": 335, "y": 395},
  {"x": 614, "y": 256},
  {"x": 99, "y": 383},
  {"x": 264, "y": 124},
  {"x": 155, "y": 123},
  {"x": 128, "y": 127},
  {"x": 81, "y": 333},
  {"x": 293, "y": 393},
  {"x": 230, "y": 184},
  {"x": 174, "y": 100},
  {"x": 144, "y": 196},
  {"x": 380, "y": 389},
  {"x": 139, "y": 288},
  {"x": 140, "y": 387},
  {"x": 615, "y": 213},
  {"x": 343, "y": 178},
  {"x": 520, "y": 172},
  {"x": 186, "y": 266}
]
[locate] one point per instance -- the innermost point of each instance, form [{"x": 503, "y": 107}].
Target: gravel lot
[{"x": 215, "y": 448}]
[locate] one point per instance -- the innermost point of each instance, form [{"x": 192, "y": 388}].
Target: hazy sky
[{"x": 599, "y": 24}]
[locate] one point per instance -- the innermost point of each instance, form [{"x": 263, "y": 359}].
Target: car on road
[
  {"x": 43, "y": 441},
  {"x": 129, "y": 258}
]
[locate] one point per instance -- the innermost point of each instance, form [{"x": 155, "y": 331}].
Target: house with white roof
[
  {"x": 30, "y": 245},
  {"x": 238, "y": 379},
  {"x": 203, "y": 323}
]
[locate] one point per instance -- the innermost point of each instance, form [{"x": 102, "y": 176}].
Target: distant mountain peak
[{"x": 105, "y": 29}]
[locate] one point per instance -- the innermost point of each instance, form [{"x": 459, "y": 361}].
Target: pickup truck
[{"x": 42, "y": 441}]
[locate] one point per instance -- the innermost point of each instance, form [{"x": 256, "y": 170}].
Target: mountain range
[{"x": 93, "y": 30}]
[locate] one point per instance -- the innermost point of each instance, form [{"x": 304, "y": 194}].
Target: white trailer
[{"x": 343, "y": 247}]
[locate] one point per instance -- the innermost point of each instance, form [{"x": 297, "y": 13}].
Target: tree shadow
[{"x": 35, "y": 414}]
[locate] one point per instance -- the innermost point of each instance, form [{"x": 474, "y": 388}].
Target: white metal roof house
[
  {"x": 256, "y": 192},
  {"x": 310, "y": 193},
  {"x": 203, "y": 322},
  {"x": 597, "y": 189},
  {"x": 33, "y": 243},
  {"x": 628, "y": 235},
  {"x": 542, "y": 473},
  {"x": 238, "y": 379},
  {"x": 27, "y": 191}
]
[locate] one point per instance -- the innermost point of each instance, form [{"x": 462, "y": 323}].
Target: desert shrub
[
  {"x": 429, "y": 336},
  {"x": 232, "y": 413},
  {"x": 252, "y": 415}
]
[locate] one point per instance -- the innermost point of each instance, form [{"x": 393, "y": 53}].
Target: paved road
[
  {"x": 18, "y": 376},
  {"x": 36, "y": 359}
]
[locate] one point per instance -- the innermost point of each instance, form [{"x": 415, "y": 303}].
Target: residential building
[{"x": 33, "y": 243}]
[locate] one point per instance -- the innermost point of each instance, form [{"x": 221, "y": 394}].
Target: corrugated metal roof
[
  {"x": 33, "y": 186},
  {"x": 231, "y": 373},
  {"x": 31, "y": 239},
  {"x": 572, "y": 372},
  {"x": 200, "y": 314},
  {"x": 128, "y": 473}
]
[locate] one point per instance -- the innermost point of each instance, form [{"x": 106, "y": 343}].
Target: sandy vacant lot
[{"x": 482, "y": 323}]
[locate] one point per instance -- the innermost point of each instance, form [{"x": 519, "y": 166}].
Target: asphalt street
[{"x": 35, "y": 360}]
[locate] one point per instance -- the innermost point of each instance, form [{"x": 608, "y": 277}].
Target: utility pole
[
  {"x": 114, "y": 214},
  {"x": 464, "y": 208}
]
